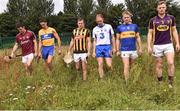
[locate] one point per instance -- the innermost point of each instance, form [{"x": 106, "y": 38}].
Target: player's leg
[
  {"x": 100, "y": 57},
  {"x": 49, "y": 59},
  {"x": 84, "y": 65},
  {"x": 108, "y": 56},
  {"x": 169, "y": 53},
  {"x": 77, "y": 61},
  {"x": 158, "y": 54},
  {"x": 171, "y": 67},
  {"x": 159, "y": 62},
  {"x": 126, "y": 64},
  {"x": 27, "y": 60},
  {"x": 133, "y": 57},
  {"x": 100, "y": 67},
  {"x": 49, "y": 62}
]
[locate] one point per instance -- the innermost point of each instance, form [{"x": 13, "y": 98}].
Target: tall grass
[{"x": 64, "y": 89}]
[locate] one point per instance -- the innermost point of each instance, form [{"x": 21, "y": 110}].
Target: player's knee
[
  {"x": 100, "y": 65},
  {"x": 170, "y": 63}
]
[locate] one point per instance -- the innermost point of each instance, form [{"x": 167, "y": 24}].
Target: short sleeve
[
  {"x": 94, "y": 34},
  {"x": 137, "y": 29},
  {"x": 39, "y": 35},
  {"x": 151, "y": 24},
  {"x": 33, "y": 36},
  {"x": 88, "y": 33},
  {"x": 17, "y": 40},
  {"x": 173, "y": 21},
  {"x": 73, "y": 33},
  {"x": 111, "y": 30},
  {"x": 118, "y": 29},
  {"x": 53, "y": 30}
]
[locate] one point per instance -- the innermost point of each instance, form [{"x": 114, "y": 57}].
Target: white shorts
[
  {"x": 160, "y": 50},
  {"x": 129, "y": 54},
  {"x": 81, "y": 56},
  {"x": 27, "y": 58}
]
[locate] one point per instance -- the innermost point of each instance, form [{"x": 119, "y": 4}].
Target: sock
[
  {"x": 170, "y": 78},
  {"x": 160, "y": 78}
]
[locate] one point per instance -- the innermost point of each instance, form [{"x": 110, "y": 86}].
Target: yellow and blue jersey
[
  {"x": 127, "y": 36},
  {"x": 47, "y": 36}
]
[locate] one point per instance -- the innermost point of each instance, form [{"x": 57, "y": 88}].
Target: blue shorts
[
  {"x": 103, "y": 51},
  {"x": 46, "y": 51}
]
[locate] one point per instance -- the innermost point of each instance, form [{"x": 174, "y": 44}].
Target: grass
[{"x": 65, "y": 90}]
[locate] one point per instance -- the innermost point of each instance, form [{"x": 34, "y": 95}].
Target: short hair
[
  {"x": 127, "y": 12},
  {"x": 19, "y": 24},
  {"x": 160, "y": 2},
  {"x": 80, "y": 19},
  {"x": 100, "y": 15},
  {"x": 42, "y": 20}
]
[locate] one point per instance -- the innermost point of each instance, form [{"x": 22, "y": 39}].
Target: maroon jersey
[
  {"x": 26, "y": 42},
  {"x": 162, "y": 29}
]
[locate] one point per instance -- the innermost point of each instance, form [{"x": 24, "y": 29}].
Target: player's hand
[
  {"x": 150, "y": 50},
  {"x": 12, "y": 55},
  {"x": 68, "y": 53},
  {"x": 140, "y": 52},
  {"x": 59, "y": 52},
  {"x": 118, "y": 53},
  {"x": 94, "y": 54},
  {"x": 39, "y": 55},
  {"x": 88, "y": 54},
  {"x": 114, "y": 51},
  {"x": 177, "y": 47},
  {"x": 35, "y": 54}
]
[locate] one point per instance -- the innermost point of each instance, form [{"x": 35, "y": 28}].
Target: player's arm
[
  {"x": 149, "y": 40},
  {"x": 114, "y": 43},
  {"x": 40, "y": 45},
  {"x": 89, "y": 45},
  {"x": 71, "y": 46},
  {"x": 176, "y": 37},
  {"x": 58, "y": 40},
  {"x": 35, "y": 44},
  {"x": 15, "y": 47},
  {"x": 94, "y": 47},
  {"x": 40, "y": 48},
  {"x": 113, "y": 39},
  {"x": 139, "y": 42},
  {"x": 118, "y": 44}
]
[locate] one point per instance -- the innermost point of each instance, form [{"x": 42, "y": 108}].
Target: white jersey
[{"x": 103, "y": 34}]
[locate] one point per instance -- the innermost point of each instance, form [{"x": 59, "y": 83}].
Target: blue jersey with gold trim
[{"x": 127, "y": 36}]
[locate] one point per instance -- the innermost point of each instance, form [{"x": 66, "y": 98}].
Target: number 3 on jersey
[{"x": 102, "y": 36}]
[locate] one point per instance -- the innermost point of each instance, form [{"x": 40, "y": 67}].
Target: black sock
[
  {"x": 170, "y": 78},
  {"x": 160, "y": 78}
]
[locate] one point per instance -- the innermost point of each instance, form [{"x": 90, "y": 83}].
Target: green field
[{"x": 65, "y": 90}]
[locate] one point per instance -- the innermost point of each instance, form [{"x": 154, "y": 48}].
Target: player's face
[
  {"x": 21, "y": 30},
  {"x": 43, "y": 24},
  {"x": 99, "y": 20},
  {"x": 127, "y": 18},
  {"x": 161, "y": 9},
  {"x": 80, "y": 24}
]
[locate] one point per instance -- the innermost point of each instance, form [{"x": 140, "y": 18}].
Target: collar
[
  {"x": 160, "y": 17},
  {"x": 101, "y": 26}
]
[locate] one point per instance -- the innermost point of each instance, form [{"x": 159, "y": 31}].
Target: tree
[
  {"x": 143, "y": 10},
  {"x": 30, "y": 11},
  {"x": 114, "y": 14},
  {"x": 7, "y": 27},
  {"x": 86, "y": 8},
  {"x": 103, "y": 6},
  {"x": 71, "y": 7}
]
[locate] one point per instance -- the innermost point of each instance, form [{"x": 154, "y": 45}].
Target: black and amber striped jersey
[{"x": 80, "y": 40}]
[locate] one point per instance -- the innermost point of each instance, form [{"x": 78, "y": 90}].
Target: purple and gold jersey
[{"x": 162, "y": 29}]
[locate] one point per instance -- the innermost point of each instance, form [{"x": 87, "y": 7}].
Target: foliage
[{"x": 65, "y": 90}]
